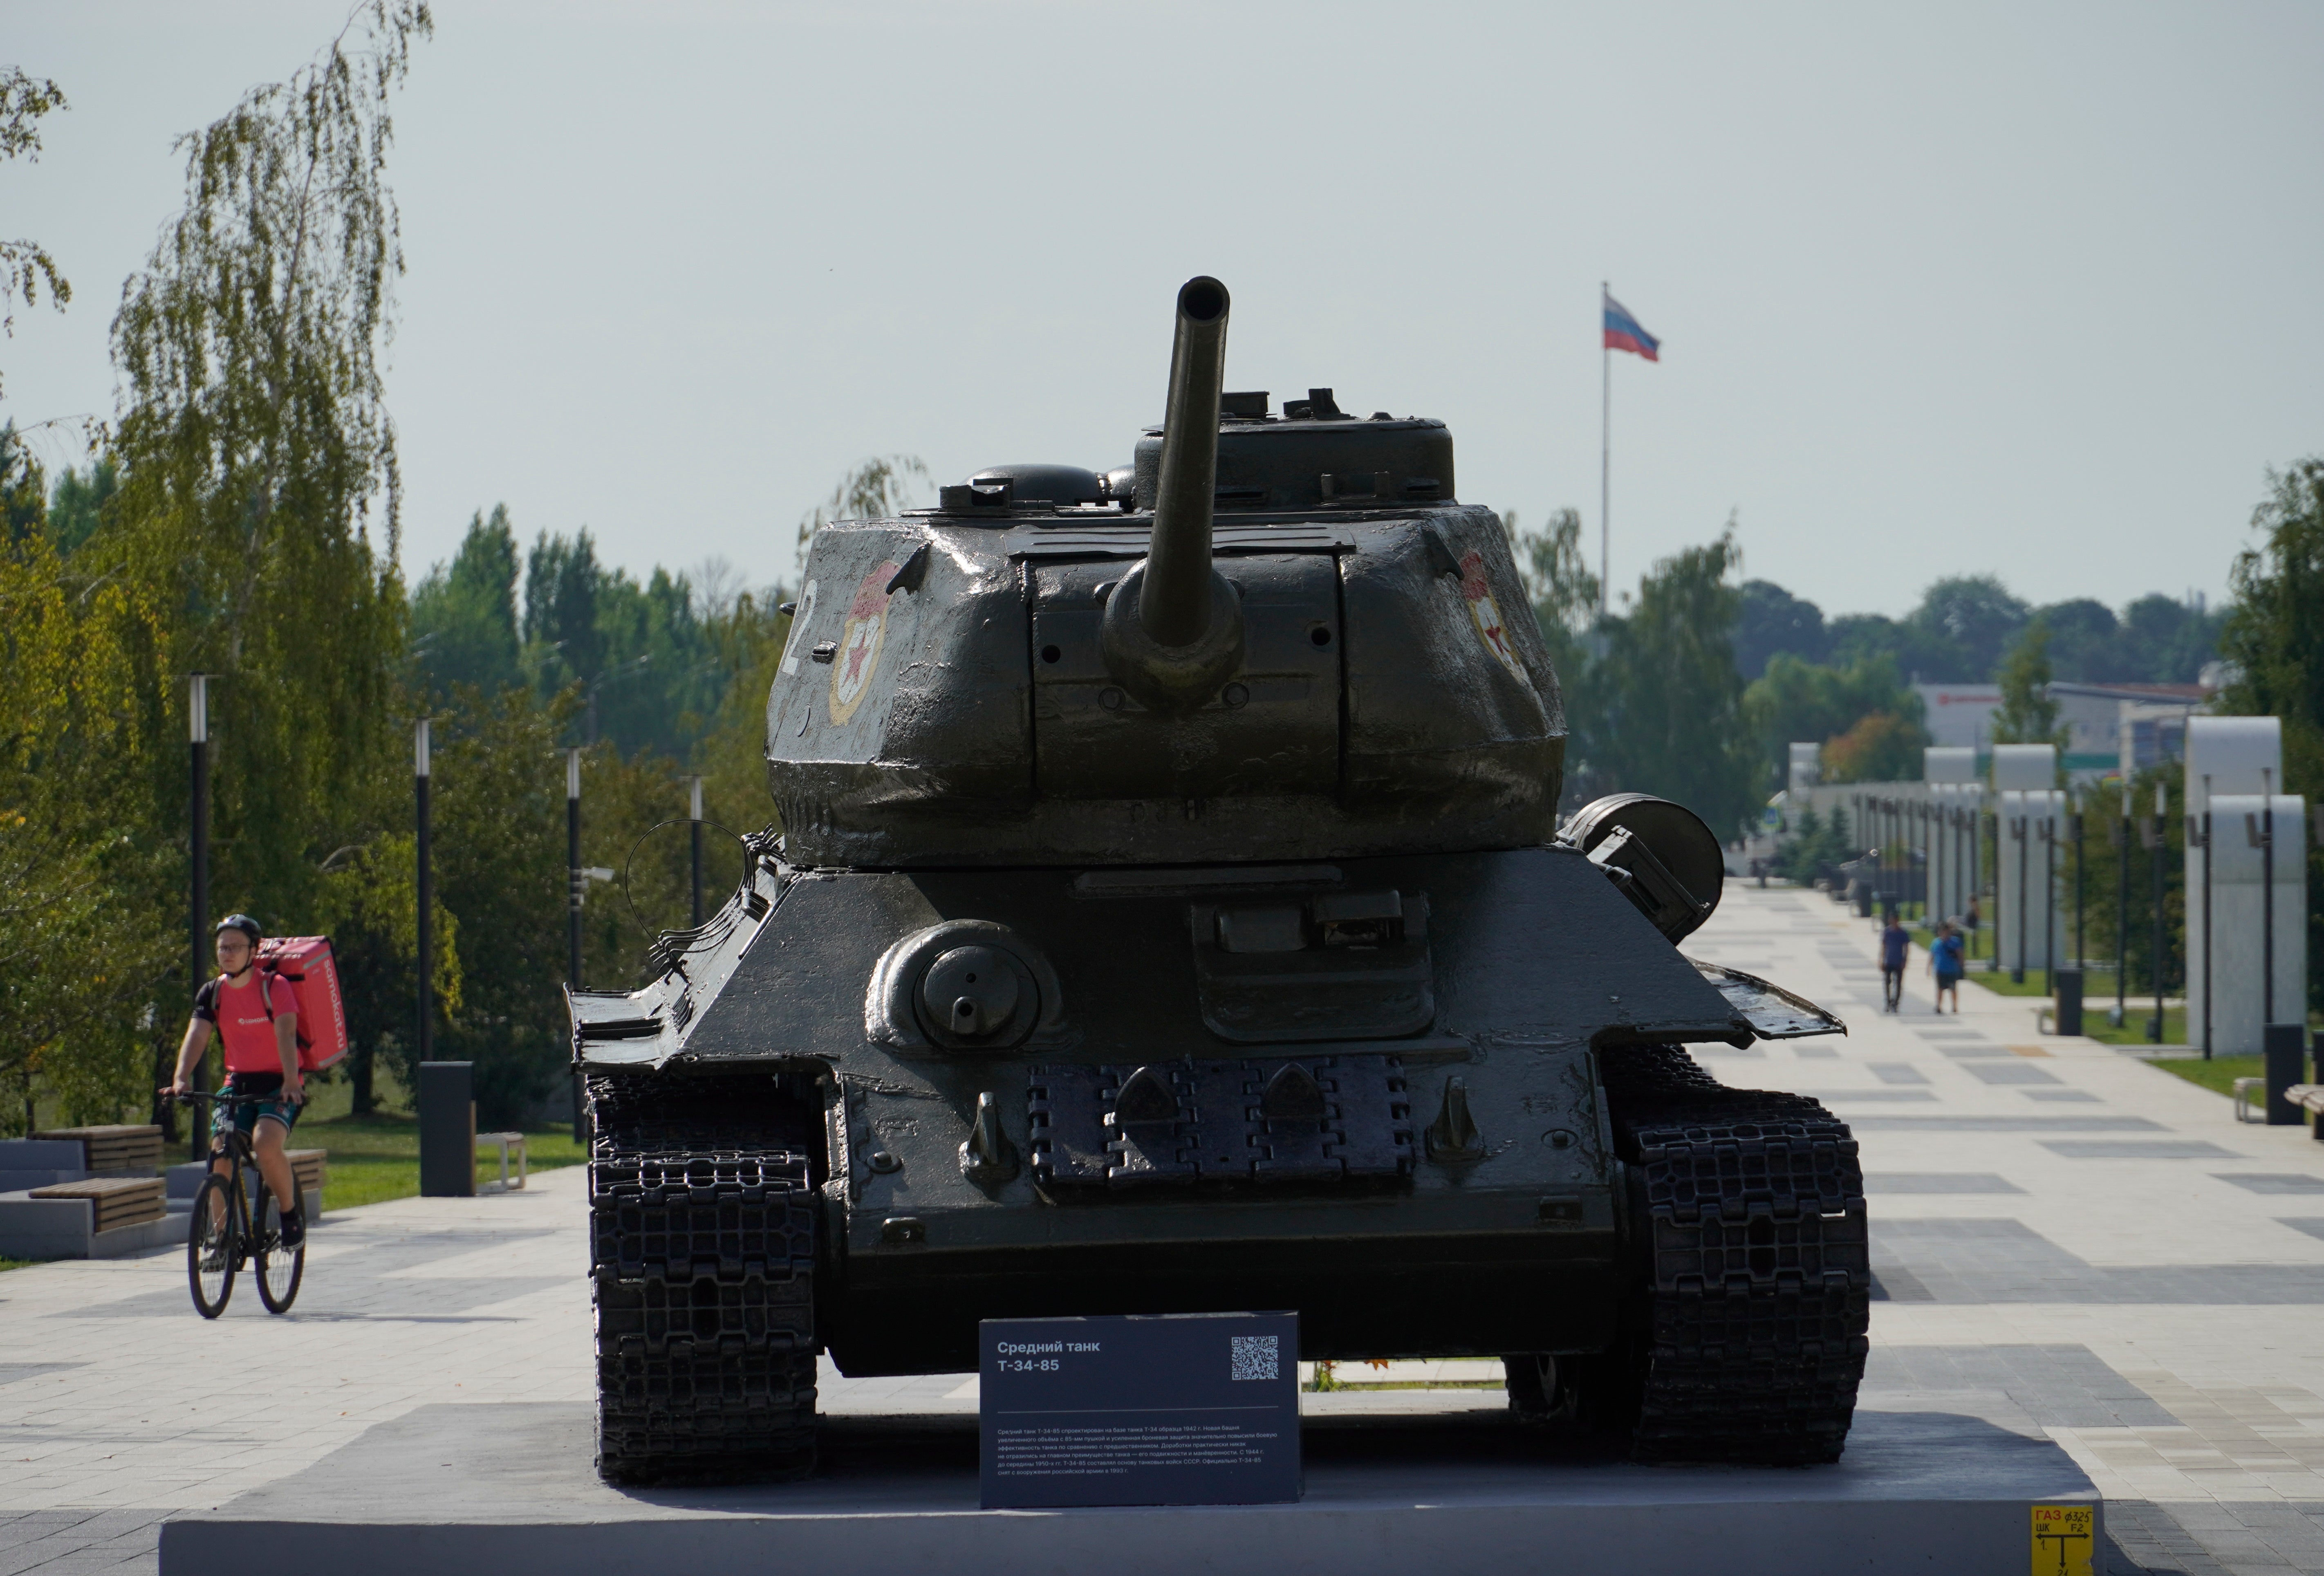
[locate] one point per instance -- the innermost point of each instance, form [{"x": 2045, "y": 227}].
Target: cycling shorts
[{"x": 243, "y": 1119}]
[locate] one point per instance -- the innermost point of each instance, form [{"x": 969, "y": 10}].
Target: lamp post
[
  {"x": 2049, "y": 835},
  {"x": 2119, "y": 835},
  {"x": 573, "y": 915},
  {"x": 1901, "y": 830},
  {"x": 197, "y": 729},
  {"x": 2017, "y": 832},
  {"x": 2267, "y": 894},
  {"x": 1932, "y": 891},
  {"x": 2206, "y": 916},
  {"x": 2161, "y": 804},
  {"x": 1989, "y": 830},
  {"x": 694, "y": 809},
  {"x": 426, "y": 893},
  {"x": 2081, "y": 934}
]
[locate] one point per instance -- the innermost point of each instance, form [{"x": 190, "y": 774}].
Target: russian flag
[{"x": 1623, "y": 332}]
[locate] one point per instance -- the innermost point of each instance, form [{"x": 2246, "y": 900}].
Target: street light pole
[
  {"x": 426, "y": 893},
  {"x": 2267, "y": 896},
  {"x": 2050, "y": 888},
  {"x": 198, "y": 728},
  {"x": 2082, "y": 933},
  {"x": 2207, "y": 916},
  {"x": 573, "y": 914},
  {"x": 2017, "y": 832},
  {"x": 2161, "y": 804},
  {"x": 695, "y": 827},
  {"x": 2119, "y": 836}
]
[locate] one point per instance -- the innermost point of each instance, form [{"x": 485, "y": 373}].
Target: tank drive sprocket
[
  {"x": 702, "y": 1259},
  {"x": 1748, "y": 1207}
]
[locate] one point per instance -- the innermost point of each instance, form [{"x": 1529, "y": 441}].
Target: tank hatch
[{"x": 1315, "y": 455}]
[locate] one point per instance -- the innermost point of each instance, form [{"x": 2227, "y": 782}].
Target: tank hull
[{"x": 1377, "y": 1296}]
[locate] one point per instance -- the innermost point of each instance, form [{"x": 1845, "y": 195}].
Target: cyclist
[{"x": 256, "y": 1015}]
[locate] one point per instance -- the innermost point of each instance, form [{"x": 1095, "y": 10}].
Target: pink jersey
[{"x": 240, "y": 1017}]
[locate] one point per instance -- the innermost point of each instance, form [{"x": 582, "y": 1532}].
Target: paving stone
[
  {"x": 2062, "y": 1385},
  {"x": 1896, "y": 1072},
  {"x": 1945, "y": 1181},
  {"x": 2272, "y": 1182},
  {"x": 2136, "y": 1149},
  {"x": 2011, "y": 1071},
  {"x": 2008, "y": 1124}
]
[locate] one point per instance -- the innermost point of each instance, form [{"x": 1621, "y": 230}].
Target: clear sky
[{"x": 1945, "y": 289}]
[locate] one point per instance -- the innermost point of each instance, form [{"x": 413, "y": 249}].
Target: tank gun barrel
[
  {"x": 1174, "y": 598},
  {"x": 1173, "y": 631}
]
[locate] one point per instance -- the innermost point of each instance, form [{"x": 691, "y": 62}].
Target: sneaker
[
  {"x": 294, "y": 1229},
  {"x": 214, "y": 1260}
]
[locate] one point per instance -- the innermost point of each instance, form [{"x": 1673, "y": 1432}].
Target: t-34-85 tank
[{"x": 1170, "y": 915}]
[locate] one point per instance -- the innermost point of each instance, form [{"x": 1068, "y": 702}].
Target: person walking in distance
[
  {"x": 1894, "y": 944},
  {"x": 1947, "y": 964},
  {"x": 254, "y": 1012}
]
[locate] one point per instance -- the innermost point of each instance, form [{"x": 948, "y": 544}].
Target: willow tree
[
  {"x": 880, "y": 488},
  {"x": 259, "y": 485},
  {"x": 24, "y": 264},
  {"x": 80, "y": 941}
]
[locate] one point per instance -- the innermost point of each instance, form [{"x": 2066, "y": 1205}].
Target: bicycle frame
[{"x": 235, "y": 1236}]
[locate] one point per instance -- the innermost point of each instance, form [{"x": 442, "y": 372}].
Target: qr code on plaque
[{"x": 1253, "y": 1357}]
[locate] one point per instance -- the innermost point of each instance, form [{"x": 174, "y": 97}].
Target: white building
[
  {"x": 2234, "y": 767},
  {"x": 2110, "y": 728}
]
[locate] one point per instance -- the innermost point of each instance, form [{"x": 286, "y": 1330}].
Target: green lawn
[
  {"x": 376, "y": 1158},
  {"x": 2218, "y": 1074},
  {"x": 2135, "y": 1018},
  {"x": 8, "y": 1264}
]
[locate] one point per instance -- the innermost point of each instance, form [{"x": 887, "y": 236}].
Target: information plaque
[{"x": 1170, "y": 1409}]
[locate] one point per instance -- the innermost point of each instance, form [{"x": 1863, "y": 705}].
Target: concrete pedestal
[
  {"x": 511, "y": 1489},
  {"x": 66, "y": 1228}
]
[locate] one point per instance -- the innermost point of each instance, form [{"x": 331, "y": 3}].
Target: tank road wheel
[
  {"x": 702, "y": 1254},
  {"x": 1757, "y": 1284}
]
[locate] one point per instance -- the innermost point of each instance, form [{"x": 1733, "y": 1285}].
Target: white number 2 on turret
[{"x": 799, "y": 621}]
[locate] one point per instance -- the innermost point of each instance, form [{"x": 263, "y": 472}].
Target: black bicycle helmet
[{"x": 242, "y": 922}]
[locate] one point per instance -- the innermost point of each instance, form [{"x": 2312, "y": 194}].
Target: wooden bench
[
  {"x": 2249, "y": 1092},
  {"x": 309, "y": 1168},
  {"x": 119, "y": 1150},
  {"x": 506, "y": 1142},
  {"x": 116, "y": 1201}
]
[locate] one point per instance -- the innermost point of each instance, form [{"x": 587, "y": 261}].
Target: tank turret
[
  {"x": 1168, "y": 913},
  {"x": 1284, "y": 634}
]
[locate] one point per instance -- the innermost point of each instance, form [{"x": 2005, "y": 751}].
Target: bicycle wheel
[
  {"x": 278, "y": 1271},
  {"x": 211, "y": 1248}
]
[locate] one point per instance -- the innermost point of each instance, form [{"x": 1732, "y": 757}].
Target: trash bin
[
  {"x": 2285, "y": 1062},
  {"x": 2066, "y": 985},
  {"x": 448, "y": 1129}
]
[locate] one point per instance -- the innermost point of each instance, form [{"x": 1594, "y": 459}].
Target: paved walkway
[
  {"x": 2071, "y": 1242},
  {"x": 2067, "y": 1242}
]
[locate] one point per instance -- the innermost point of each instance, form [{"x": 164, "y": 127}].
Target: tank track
[
  {"x": 1758, "y": 1279},
  {"x": 702, "y": 1252}
]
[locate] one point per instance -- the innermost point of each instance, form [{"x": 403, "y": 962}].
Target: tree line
[{"x": 240, "y": 517}]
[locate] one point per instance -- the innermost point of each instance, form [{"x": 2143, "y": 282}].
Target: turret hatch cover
[{"x": 1773, "y": 1012}]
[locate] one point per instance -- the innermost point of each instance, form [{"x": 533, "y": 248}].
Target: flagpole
[{"x": 1605, "y": 449}]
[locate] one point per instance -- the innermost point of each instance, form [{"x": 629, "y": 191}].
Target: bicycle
[{"x": 225, "y": 1234}]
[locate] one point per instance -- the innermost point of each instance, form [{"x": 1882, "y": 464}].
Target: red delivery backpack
[{"x": 305, "y": 963}]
